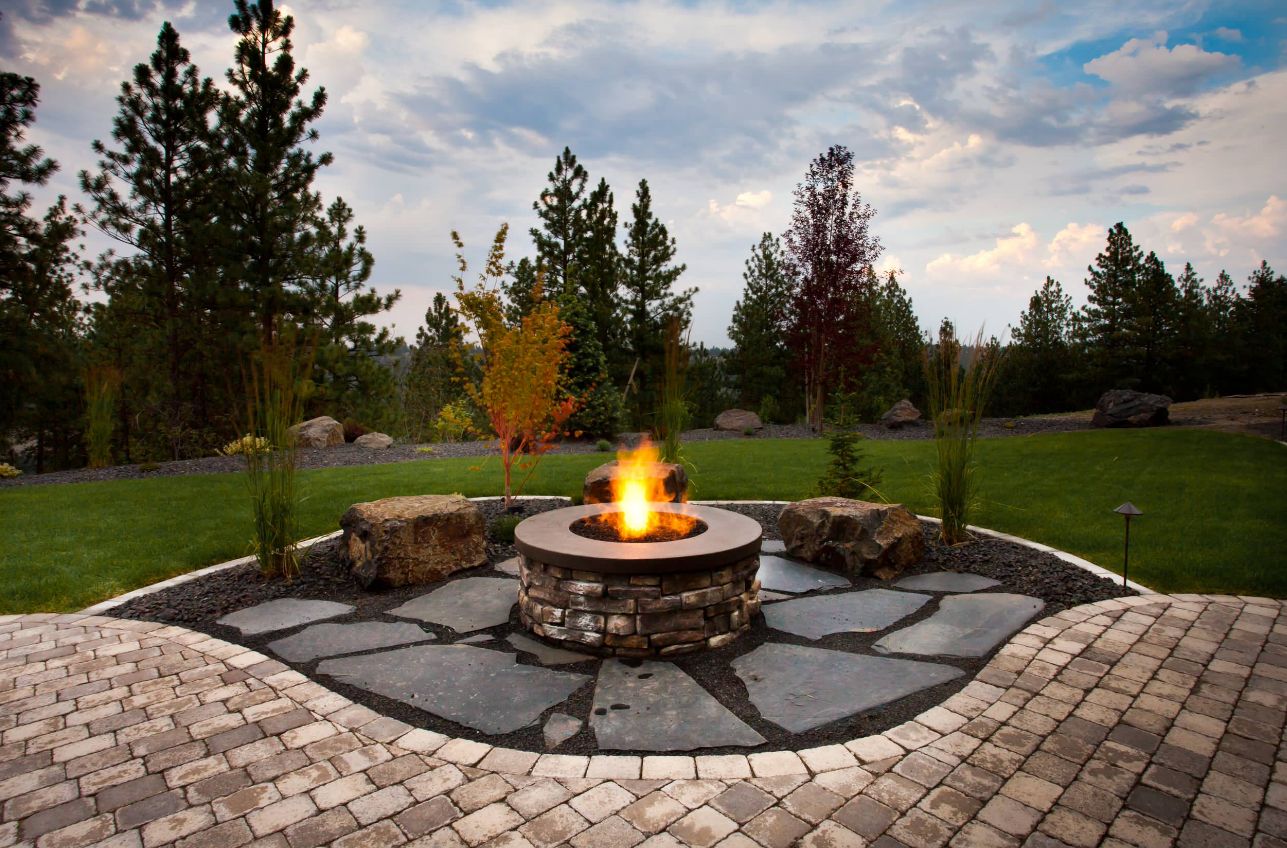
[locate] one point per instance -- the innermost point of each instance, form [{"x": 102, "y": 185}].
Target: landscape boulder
[
  {"x": 412, "y": 540},
  {"x": 671, "y": 475},
  {"x": 853, "y": 537},
  {"x": 374, "y": 441},
  {"x": 738, "y": 421},
  {"x": 321, "y": 432},
  {"x": 1129, "y": 408},
  {"x": 900, "y": 415}
]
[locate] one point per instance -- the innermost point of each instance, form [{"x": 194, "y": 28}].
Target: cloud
[
  {"x": 1147, "y": 68},
  {"x": 745, "y": 209},
  {"x": 1184, "y": 222},
  {"x": 1226, "y": 231},
  {"x": 1011, "y": 250},
  {"x": 1073, "y": 244}
]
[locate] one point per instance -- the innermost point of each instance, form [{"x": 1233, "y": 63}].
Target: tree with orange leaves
[{"x": 520, "y": 366}]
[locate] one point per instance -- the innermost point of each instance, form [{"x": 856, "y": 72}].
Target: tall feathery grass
[
  {"x": 958, "y": 393},
  {"x": 276, "y": 390},
  {"x": 102, "y": 384}
]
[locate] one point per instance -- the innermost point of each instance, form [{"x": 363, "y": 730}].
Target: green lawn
[{"x": 1214, "y": 519}]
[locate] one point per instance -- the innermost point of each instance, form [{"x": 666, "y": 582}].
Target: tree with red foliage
[{"x": 832, "y": 251}]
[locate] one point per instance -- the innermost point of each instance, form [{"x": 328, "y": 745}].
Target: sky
[{"x": 997, "y": 141}]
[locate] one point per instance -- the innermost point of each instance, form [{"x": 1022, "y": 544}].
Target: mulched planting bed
[{"x": 1021, "y": 570}]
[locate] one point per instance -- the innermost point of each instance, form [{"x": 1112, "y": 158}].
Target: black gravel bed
[
  {"x": 197, "y": 604},
  {"x": 351, "y": 454}
]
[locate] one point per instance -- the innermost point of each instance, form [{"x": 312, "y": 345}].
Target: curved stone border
[{"x": 1058, "y": 735}]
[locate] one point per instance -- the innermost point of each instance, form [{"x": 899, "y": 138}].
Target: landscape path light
[
  {"x": 1127, "y": 510},
  {"x": 1282, "y": 426}
]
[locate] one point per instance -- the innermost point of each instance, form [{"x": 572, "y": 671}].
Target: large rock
[
  {"x": 408, "y": 540},
  {"x": 374, "y": 441},
  {"x": 900, "y": 415},
  {"x": 738, "y": 421},
  {"x": 671, "y": 475},
  {"x": 855, "y": 537},
  {"x": 321, "y": 432},
  {"x": 1129, "y": 408}
]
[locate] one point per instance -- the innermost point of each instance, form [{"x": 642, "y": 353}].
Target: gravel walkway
[
  {"x": 351, "y": 454},
  {"x": 1139, "y": 721}
]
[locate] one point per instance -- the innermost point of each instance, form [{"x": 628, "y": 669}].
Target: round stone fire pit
[{"x": 638, "y": 599}]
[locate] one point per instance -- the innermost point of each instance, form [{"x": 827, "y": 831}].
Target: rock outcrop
[
  {"x": 412, "y": 540},
  {"x": 321, "y": 432},
  {"x": 738, "y": 421},
  {"x": 854, "y": 537},
  {"x": 1129, "y": 408}
]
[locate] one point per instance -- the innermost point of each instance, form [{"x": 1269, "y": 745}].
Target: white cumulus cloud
[
  {"x": 1146, "y": 66},
  {"x": 1014, "y": 249}
]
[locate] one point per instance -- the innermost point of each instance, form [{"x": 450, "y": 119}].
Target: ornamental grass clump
[
  {"x": 7, "y": 470},
  {"x": 102, "y": 384},
  {"x": 958, "y": 393},
  {"x": 245, "y": 446},
  {"x": 276, "y": 391}
]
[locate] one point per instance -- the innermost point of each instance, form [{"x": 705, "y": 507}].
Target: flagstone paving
[
  {"x": 653, "y": 706},
  {"x": 474, "y": 603},
  {"x": 800, "y": 688},
  {"x": 281, "y": 614},
  {"x": 947, "y": 581},
  {"x": 964, "y": 626},
  {"x": 853, "y": 612},
  {"x": 1143, "y": 721},
  {"x": 333, "y": 640},
  {"x": 780, "y": 574}
]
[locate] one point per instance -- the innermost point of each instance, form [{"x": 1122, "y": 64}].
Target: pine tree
[
  {"x": 152, "y": 194},
  {"x": 1105, "y": 319},
  {"x": 896, "y": 371},
  {"x": 586, "y": 379},
  {"x": 562, "y": 222},
  {"x": 1040, "y": 364},
  {"x": 434, "y": 378},
  {"x": 267, "y": 201},
  {"x": 351, "y": 377},
  {"x": 1191, "y": 365},
  {"x": 517, "y": 287},
  {"x": 1223, "y": 304},
  {"x": 758, "y": 330},
  {"x": 1150, "y": 329},
  {"x": 833, "y": 250},
  {"x": 598, "y": 266},
  {"x": 1262, "y": 320},
  {"x": 648, "y": 298}
]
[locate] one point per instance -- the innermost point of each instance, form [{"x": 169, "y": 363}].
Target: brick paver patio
[{"x": 1146, "y": 721}]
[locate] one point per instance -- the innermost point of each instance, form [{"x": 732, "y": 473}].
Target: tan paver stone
[
  {"x": 812, "y": 803},
  {"x": 379, "y": 805},
  {"x": 558, "y": 765},
  {"x": 553, "y": 827},
  {"x": 613, "y": 831},
  {"x": 481, "y": 792},
  {"x": 703, "y": 827},
  {"x": 383, "y": 834},
  {"x": 342, "y": 791},
  {"x": 322, "y": 829},
  {"x": 654, "y": 812},
  {"x": 722, "y": 766},
  {"x": 829, "y": 834},
  {"x": 776, "y": 828},
  {"x": 536, "y": 798},
  {"x": 668, "y": 767},
  {"x": 280, "y": 815},
  {"x": 176, "y": 826},
  {"x": 1010, "y": 816},
  {"x": 427, "y": 817},
  {"x": 872, "y": 748},
  {"x": 614, "y": 767},
  {"x": 601, "y": 801},
  {"x": 774, "y": 763},
  {"x": 921, "y": 830},
  {"x": 693, "y": 793},
  {"x": 950, "y": 805}
]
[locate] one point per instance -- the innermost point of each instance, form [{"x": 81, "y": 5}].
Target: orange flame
[{"x": 639, "y": 482}]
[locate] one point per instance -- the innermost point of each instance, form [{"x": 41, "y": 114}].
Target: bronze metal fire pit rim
[{"x": 547, "y": 537}]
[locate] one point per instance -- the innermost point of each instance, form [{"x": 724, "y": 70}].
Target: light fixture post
[{"x": 1128, "y": 511}]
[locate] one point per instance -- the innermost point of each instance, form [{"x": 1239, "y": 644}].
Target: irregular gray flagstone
[
  {"x": 333, "y": 640},
  {"x": 282, "y": 614},
  {"x": 769, "y": 597},
  {"x": 474, "y": 603},
  {"x": 964, "y": 626},
  {"x": 509, "y": 566},
  {"x": 657, "y": 707},
  {"x": 784, "y": 575},
  {"x": 772, "y": 546},
  {"x": 853, "y": 612},
  {"x": 547, "y": 654},
  {"x": 486, "y": 690},
  {"x": 475, "y": 639},
  {"x": 559, "y": 728},
  {"x": 947, "y": 581},
  {"x": 800, "y": 688}
]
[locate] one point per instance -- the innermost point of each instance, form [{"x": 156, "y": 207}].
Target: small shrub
[
  {"x": 7, "y": 470},
  {"x": 1009, "y": 425},
  {"x": 603, "y": 446},
  {"x": 424, "y": 449},
  {"x": 769, "y": 411},
  {"x": 246, "y": 445},
  {"x": 502, "y": 528},
  {"x": 845, "y": 477},
  {"x": 149, "y": 467},
  {"x": 455, "y": 422},
  {"x": 749, "y": 431},
  {"x": 352, "y": 430}
]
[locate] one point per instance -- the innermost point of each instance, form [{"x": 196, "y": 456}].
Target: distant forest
[{"x": 224, "y": 248}]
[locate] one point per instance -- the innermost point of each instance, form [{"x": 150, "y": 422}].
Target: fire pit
[{"x": 638, "y": 577}]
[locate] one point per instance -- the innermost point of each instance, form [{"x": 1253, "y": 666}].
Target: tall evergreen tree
[
  {"x": 349, "y": 371},
  {"x": 518, "y": 287},
  {"x": 562, "y": 221},
  {"x": 648, "y": 280},
  {"x": 1223, "y": 304},
  {"x": 1039, "y": 368},
  {"x": 1150, "y": 329},
  {"x": 39, "y": 314},
  {"x": 152, "y": 194},
  {"x": 598, "y": 267},
  {"x": 897, "y": 371},
  {"x": 586, "y": 378},
  {"x": 434, "y": 378},
  {"x": 833, "y": 250},
  {"x": 267, "y": 203},
  {"x": 758, "y": 331},
  {"x": 1262, "y": 319},
  {"x": 1192, "y": 374},
  {"x": 1105, "y": 319}
]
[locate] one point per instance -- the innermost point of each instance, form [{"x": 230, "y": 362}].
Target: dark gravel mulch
[{"x": 199, "y": 603}]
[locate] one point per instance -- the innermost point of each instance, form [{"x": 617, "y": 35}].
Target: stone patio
[{"x": 1143, "y": 721}]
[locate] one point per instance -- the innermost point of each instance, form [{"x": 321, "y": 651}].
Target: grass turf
[{"x": 1213, "y": 507}]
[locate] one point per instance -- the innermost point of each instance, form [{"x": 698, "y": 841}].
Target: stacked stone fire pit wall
[{"x": 638, "y": 615}]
